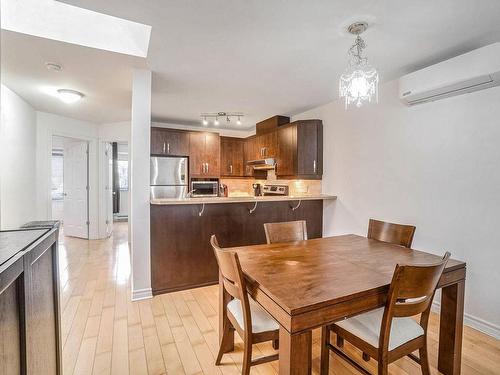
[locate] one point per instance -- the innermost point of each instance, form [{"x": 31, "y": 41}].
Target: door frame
[{"x": 87, "y": 142}]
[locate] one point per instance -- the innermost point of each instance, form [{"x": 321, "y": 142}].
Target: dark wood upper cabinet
[
  {"x": 297, "y": 148},
  {"x": 266, "y": 145},
  {"x": 300, "y": 150},
  {"x": 249, "y": 152},
  {"x": 271, "y": 124},
  {"x": 204, "y": 154},
  {"x": 232, "y": 157},
  {"x": 169, "y": 142}
]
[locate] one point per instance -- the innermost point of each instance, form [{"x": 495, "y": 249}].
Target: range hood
[{"x": 262, "y": 164}]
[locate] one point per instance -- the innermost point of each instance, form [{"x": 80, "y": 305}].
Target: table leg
[
  {"x": 227, "y": 344},
  {"x": 295, "y": 353},
  {"x": 451, "y": 327}
]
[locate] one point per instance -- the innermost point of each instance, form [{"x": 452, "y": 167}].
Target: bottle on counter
[{"x": 223, "y": 190}]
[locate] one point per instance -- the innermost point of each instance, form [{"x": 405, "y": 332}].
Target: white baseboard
[
  {"x": 474, "y": 322},
  {"x": 139, "y": 294}
]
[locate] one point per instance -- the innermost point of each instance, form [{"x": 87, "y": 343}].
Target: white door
[
  {"x": 109, "y": 188},
  {"x": 75, "y": 189}
]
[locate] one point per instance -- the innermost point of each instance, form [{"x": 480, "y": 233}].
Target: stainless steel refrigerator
[{"x": 169, "y": 177}]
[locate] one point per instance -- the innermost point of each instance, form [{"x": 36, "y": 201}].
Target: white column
[{"x": 139, "y": 184}]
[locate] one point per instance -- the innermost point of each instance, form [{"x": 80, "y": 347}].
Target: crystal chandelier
[{"x": 359, "y": 83}]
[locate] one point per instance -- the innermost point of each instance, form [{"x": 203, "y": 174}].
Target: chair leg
[
  {"x": 383, "y": 366},
  {"x": 247, "y": 358},
  {"x": 325, "y": 351},
  {"x": 225, "y": 336},
  {"x": 276, "y": 344},
  {"x": 340, "y": 341},
  {"x": 424, "y": 360}
]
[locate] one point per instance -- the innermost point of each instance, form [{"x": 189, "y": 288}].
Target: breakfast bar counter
[
  {"x": 242, "y": 199},
  {"x": 181, "y": 255}
]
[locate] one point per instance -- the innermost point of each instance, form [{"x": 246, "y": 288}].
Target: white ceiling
[
  {"x": 104, "y": 77},
  {"x": 257, "y": 57}
]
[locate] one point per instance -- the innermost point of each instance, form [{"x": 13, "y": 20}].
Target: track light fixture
[{"x": 215, "y": 116}]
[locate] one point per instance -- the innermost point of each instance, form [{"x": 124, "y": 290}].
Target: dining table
[{"x": 308, "y": 284}]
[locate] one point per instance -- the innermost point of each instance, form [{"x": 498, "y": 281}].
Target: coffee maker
[{"x": 257, "y": 190}]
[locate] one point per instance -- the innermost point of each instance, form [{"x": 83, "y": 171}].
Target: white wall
[
  {"x": 222, "y": 131},
  {"x": 115, "y": 132},
  {"x": 436, "y": 166},
  {"x": 139, "y": 184},
  {"x": 17, "y": 160}
]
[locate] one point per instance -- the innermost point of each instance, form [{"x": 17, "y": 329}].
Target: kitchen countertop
[{"x": 241, "y": 199}]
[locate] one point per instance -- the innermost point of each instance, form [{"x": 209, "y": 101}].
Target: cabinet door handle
[
  {"x": 314, "y": 166},
  {"x": 164, "y": 147},
  {"x": 168, "y": 148},
  {"x": 231, "y": 169},
  {"x": 207, "y": 167},
  {"x": 265, "y": 151}
]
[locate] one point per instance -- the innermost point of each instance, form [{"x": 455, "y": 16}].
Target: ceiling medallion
[
  {"x": 359, "y": 83},
  {"x": 228, "y": 116}
]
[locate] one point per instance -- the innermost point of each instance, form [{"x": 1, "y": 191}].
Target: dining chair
[
  {"x": 286, "y": 232},
  {"x": 397, "y": 234},
  {"x": 247, "y": 317},
  {"x": 389, "y": 333}
]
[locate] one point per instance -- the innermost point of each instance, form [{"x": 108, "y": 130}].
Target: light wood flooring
[{"x": 105, "y": 333}]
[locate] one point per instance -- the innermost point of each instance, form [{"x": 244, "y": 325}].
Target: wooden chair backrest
[
  {"x": 233, "y": 280},
  {"x": 411, "y": 293},
  {"x": 397, "y": 234},
  {"x": 286, "y": 232}
]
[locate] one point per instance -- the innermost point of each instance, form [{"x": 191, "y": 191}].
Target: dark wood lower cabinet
[
  {"x": 30, "y": 338},
  {"x": 181, "y": 256}
]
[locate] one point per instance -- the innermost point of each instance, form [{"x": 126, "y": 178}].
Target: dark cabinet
[
  {"x": 232, "y": 157},
  {"x": 181, "y": 256},
  {"x": 204, "y": 154},
  {"x": 169, "y": 142},
  {"x": 266, "y": 145},
  {"x": 300, "y": 150},
  {"x": 249, "y": 151},
  {"x": 30, "y": 313}
]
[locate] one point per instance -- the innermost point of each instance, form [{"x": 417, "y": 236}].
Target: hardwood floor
[{"x": 105, "y": 333}]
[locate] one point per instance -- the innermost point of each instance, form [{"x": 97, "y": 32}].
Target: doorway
[
  {"x": 120, "y": 181},
  {"x": 69, "y": 185}
]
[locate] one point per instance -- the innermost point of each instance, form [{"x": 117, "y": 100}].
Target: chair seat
[
  {"x": 261, "y": 320},
  {"x": 366, "y": 326}
]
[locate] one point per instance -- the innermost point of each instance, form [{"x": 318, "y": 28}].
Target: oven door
[{"x": 204, "y": 188}]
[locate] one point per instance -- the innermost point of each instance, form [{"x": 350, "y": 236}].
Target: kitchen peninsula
[{"x": 273, "y": 176}]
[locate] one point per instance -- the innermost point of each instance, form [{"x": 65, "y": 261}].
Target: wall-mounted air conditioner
[{"x": 475, "y": 70}]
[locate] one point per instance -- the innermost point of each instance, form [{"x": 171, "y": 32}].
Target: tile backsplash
[{"x": 238, "y": 187}]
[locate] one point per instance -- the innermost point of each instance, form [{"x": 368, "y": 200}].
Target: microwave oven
[{"x": 204, "y": 188}]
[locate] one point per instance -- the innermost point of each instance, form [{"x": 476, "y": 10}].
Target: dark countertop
[{"x": 14, "y": 241}]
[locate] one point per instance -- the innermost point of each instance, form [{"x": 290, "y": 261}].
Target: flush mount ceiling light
[
  {"x": 216, "y": 115},
  {"x": 69, "y": 96},
  {"x": 359, "y": 83}
]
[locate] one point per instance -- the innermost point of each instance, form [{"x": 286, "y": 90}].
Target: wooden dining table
[{"x": 308, "y": 284}]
